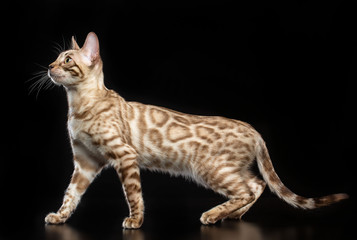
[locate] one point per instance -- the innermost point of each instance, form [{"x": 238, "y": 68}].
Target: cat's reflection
[
  {"x": 136, "y": 234},
  {"x": 229, "y": 230},
  {"x": 64, "y": 232}
]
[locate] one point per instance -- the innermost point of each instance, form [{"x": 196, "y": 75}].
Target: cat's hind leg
[
  {"x": 242, "y": 197},
  {"x": 222, "y": 211},
  {"x": 257, "y": 186}
]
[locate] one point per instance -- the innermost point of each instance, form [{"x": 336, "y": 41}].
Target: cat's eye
[{"x": 67, "y": 60}]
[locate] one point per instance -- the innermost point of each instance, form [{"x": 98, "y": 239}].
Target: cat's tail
[{"x": 271, "y": 178}]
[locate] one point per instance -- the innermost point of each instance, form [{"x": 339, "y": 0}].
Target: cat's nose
[{"x": 51, "y": 66}]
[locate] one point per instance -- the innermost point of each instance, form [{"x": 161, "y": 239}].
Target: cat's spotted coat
[{"x": 105, "y": 130}]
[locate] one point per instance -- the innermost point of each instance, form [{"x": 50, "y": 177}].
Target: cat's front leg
[
  {"x": 129, "y": 173},
  {"x": 80, "y": 181}
]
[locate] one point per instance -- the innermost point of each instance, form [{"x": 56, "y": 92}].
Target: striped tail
[{"x": 271, "y": 178}]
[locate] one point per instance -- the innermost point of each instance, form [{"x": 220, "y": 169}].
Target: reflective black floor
[{"x": 270, "y": 218}]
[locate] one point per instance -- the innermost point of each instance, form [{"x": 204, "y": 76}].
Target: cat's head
[{"x": 78, "y": 66}]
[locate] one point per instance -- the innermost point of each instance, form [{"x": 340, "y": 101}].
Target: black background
[{"x": 287, "y": 68}]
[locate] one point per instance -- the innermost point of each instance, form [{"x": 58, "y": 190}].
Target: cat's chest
[{"x": 77, "y": 128}]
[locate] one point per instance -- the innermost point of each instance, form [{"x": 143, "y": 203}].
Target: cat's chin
[{"x": 56, "y": 81}]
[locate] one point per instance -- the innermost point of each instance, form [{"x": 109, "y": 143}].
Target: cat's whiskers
[
  {"x": 41, "y": 81},
  {"x": 58, "y": 48},
  {"x": 36, "y": 75},
  {"x": 41, "y": 66},
  {"x": 49, "y": 84}
]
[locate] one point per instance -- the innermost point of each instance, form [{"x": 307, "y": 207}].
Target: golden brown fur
[{"x": 105, "y": 130}]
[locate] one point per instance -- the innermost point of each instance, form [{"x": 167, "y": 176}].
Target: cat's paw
[
  {"x": 133, "y": 222},
  {"x": 209, "y": 218},
  {"x": 54, "y": 218}
]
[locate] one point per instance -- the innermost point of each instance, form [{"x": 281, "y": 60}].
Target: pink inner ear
[{"x": 91, "y": 47}]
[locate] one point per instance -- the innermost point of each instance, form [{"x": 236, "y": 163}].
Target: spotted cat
[{"x": 105, "y": 130}]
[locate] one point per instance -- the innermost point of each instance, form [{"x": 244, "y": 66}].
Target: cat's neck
[{"x": 85, "y": 94}]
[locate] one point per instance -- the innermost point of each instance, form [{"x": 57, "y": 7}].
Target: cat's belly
[
  {"x": 176, "y": 164},
  {"x": 164, "y": 161}
]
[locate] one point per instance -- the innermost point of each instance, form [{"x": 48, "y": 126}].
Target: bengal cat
[{"x": 105, "y": 130}]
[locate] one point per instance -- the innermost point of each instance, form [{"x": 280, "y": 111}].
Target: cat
[{"x": 105, "y": 130}]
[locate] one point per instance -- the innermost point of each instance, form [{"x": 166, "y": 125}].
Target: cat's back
[{"x": 177, "y": 126}]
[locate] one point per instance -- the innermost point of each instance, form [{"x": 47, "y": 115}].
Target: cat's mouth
[{"x": 56, "y": 78}]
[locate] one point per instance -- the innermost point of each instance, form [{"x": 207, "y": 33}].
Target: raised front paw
[
  {"x": 133, "y": 222},
  {"x": 55, "y": 218}
]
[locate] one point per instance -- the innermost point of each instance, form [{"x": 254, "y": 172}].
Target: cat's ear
[
  {"x": 74, "y": 44},
  {"x": 91, "y": 47}
]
